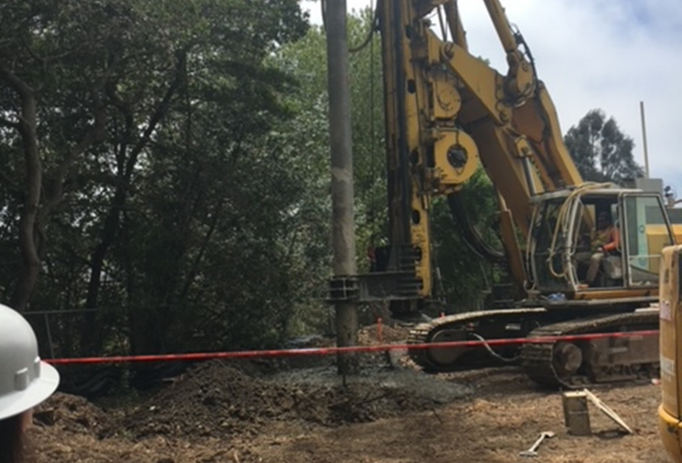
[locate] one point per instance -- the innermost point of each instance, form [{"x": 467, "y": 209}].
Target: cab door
[{"x": 644, "y": 232}]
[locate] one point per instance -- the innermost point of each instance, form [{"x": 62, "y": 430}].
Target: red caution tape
[{"x": 341, "y": 350}]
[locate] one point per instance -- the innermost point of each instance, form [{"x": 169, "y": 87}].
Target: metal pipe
[
  {"x": 455, "y": 22},
  {"x": 343, "y": 222},
  {"x": 502, "y": 26},
  {"x": 59, "y": 312},
  {"x": 50, "y": 343},
  {"x": 646, "y": 151},
  {"x": 528, "y": 173}
]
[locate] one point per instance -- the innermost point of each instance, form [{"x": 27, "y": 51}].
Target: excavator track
[
  {"x": 471, "y": 326},
  {"x": 553, "y": 364},
  {"x": 579, "y": 363}
]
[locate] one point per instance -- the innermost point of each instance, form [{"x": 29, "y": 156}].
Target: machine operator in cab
[{"x": 605, "y": 239}]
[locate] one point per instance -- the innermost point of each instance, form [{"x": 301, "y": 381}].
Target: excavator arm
[{"x": 447, "y": 112}]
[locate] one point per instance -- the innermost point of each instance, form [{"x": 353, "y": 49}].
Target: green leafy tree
[
  {"x": 141, "y": 180},
  {"x": 467, "y": 276},
  {"x": 307, "y": 59},
  {"x": 601, "y": 151}
]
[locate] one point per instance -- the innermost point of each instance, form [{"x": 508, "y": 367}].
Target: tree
[
  {"x": 307, "y": 60},
  {"x": 140, "y": 177},
  {"x": 467, "y": 276},
  {"x": 601, "y": 151}
]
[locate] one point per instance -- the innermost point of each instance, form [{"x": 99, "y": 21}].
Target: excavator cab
[{"x": 597, "y": 242}]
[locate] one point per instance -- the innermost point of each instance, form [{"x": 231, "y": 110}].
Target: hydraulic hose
[
  {"x": 470, "y": 234},
  {"x": 563, "y": 222}
]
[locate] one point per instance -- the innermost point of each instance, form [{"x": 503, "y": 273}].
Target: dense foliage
[{"x": 142, "y": 178}]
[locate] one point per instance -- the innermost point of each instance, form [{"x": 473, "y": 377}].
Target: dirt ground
[{"x": 392, "y": 413}]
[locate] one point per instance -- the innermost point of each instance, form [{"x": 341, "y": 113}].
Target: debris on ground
[
  {"x": 220, "y": 411},
  {"x": 607, "y": 411},
  {"x": 533, "y": 450},
  {"x": 375, "y": 335},
  {"x": 217, "y": 400},
  {"x": 576, "y": 413}
]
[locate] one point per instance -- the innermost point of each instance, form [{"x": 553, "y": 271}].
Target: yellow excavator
[{"x": 448, "y": 113}]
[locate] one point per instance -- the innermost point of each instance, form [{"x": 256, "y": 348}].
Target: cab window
[{"x": 647, "y": 233}]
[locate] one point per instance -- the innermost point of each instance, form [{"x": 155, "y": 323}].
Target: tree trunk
[
  {"x": 111, "y": 226},
  {"x": 28, "y": 236}
]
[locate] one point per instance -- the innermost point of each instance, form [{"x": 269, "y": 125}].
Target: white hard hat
[{"x": 25, "y": 381}]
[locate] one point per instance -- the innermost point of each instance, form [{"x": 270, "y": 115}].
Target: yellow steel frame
[{"x": 441, "y": 101}]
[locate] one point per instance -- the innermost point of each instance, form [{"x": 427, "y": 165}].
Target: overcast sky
[{"x": 608, "y": 54}]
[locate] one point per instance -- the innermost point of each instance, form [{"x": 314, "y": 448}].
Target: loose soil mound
[
  {"x": 216, "y": 399},
  {"x": 72, "y": 414}
]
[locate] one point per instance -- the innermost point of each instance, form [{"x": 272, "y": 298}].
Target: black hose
[{"x": 470, "y": 234}]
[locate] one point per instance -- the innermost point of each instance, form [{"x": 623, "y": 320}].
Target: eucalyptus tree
[{"x": 601, "y": 151}]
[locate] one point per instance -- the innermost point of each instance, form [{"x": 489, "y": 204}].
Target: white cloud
[{"x": 608, "y": 54}]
